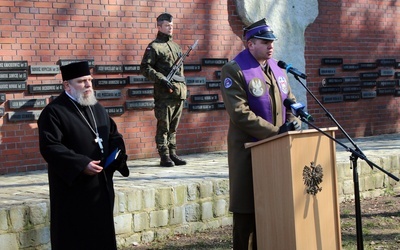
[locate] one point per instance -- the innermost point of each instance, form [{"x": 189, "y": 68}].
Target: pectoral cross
[{"x": 99, "y": 141}]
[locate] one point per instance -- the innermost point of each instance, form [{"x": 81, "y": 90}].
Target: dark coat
[
  {"x": 244, "y": 127},
  {"x": 81, "y": 205}
]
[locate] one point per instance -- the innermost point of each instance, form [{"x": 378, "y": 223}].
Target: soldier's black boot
[
  {"x": 166, "y": 161},
  {"x": 176, "y": 159}
]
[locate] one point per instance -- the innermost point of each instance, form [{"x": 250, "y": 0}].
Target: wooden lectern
[{"x": 287, "y": 217}]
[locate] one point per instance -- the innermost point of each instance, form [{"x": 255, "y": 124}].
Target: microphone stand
[{"x": 355, "y": 154}]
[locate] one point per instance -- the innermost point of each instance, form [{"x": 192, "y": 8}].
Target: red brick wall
[
  {"x": 117, "y": 32},
  {"x": 359, "y": 32}
]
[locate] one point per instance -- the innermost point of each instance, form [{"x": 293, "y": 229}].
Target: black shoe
[
  {"x": 177, "y": 160},
  {"x": 166, "y": 161}
]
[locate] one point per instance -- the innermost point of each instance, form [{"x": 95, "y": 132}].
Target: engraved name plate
[
  {"x": 388, "y": 83},
  {"x": 27, "y": 103},
  {"x": 333, "y": 81},
  {"x": 327, "y": 71},
  {"x": 145, "y": 104},
  {"x": 45, "y": 88},
  {"x": 2, "y": 97},
  {"x": 105, "y": 69},
  {"x": 13, "y": 75},
  {"x": 351, "y": 89},
  {"x": 325, "y": 90},
  {"x": 195, "y": 81},
  {"x": 204, "y": 98},
  {"x": 110, "y": 82},
  {"x": 218, "y": 74},
  {"x": 332, "y": 98},
  {"x": 369, "y": 75},
  {"x": 368, "y": 94},
  {"x": 368, "y": 84},
  {"x": 351, "y": 97},
  {"x": 350, "y": 67},
  {"x": 64, "y": 62},
  {"x": 24, "y": 116},
  {"x": 386, "y": 72},
  {"x": 397, "y": 92},
  {"x": 351, "y": 79},
  {"x": 138, "y": 80},
  {"x": 116, "y": 110},
  {"x": 12, "y": 86},
  {"x": 386, "y": 62},
  {"x": 1, "y": 111},
  {"x": 367, "y": 65},
  {"x": 131, "y": 68},
  {"x": 141, "y": 92},
  {"x": 332, "y": 60},
  {"x": 219, "y": 105},
  {"x": 108, "y": 94},
  {"x": 214, "y": 61},
  {"x": 44, "y": 69},
  {"x": 13, "y": 65},
  {"x": 202, "y": 107},
  {"x": 385, "y": 91},
  {"x": 213, "y": 84},
  {"x": 192, "y": 67}
]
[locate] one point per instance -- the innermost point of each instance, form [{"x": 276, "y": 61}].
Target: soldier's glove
[
  {"x": 167, "y": 83},
  {"x": 288, "y": 126}
]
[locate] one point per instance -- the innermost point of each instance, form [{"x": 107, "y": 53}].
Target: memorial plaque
[
  {"x": 333, "y": 80},
  {"x": 12, "y": 86},
  {"x": 131, "y": 68},
  {"x": 332, "y": 60},
  {"x": 351, "y": 89},
  {"x": 325, "y": 90},
  {"x": 388, "y": 83},
  {"x": 204, "y": 98},
  {"x": 386, "y": 72},
  {"x": 2, "y": 97},
  {"x": 367, "y": 65},
  {"x": 116, "y": 110},
  {"x": 397, "y": 92},
  {"x": 214, "y": 61},
  {"x": 218, "y": 74},
  {"x": 373, "y": 75},
  {"x": 397, "y": 75},
  {"x": 213, "y": 84},
  {"x": 351, "y": 79},
  {"x": 13, "y": 75},
  {"x": 110, "y": 82},
  {"x": 108, "y": 94},
  {"x": 327, "y": 71},
  {"x": 351, "y": 97},
  {"x": 27, "y": 103},
  {"x": 195, "y": 81},
  {"x": 368, "y": 84},
  {"x": 141, "y": 92},
  {"x": 108, "y": 69},
  {"x": 68, "y": 61},
  {"x": 13, "y": 65},
  {"x": 192, "y": 67},
  {"x": 219, "y": 105},
  {"x": 385, "y": 91},
  {"x": 145, "y": 104},
  {"x": 138, "y": 80},
  {"x": 397, "y": 65},
  {"x": 45, "y": 88},
  {"x": 44, "y": 69},
  {"x": 350, "y": 67},
  {"x": 332, "y": 98},
  {"x": 386, "y": 62},
  {"x": 1, "y": 111},
  {"x": 24, "y": 116},
  {"x": 202, "y": 107},
  {"x": 368, "y": 94}
]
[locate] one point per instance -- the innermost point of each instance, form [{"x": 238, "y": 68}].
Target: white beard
[{"x": 82, "y": 100}]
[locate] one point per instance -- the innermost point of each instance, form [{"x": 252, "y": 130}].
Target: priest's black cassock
[{"x": 81, "y": 205}]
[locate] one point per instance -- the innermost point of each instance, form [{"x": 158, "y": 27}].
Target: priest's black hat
[
  {"x": 75, "y": 70},
  {"x": 259, "y": 30},
  {"x": 164, "y": 17}
]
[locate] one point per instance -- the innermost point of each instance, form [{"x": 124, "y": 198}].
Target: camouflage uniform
[{"x": 157, "y": 62}]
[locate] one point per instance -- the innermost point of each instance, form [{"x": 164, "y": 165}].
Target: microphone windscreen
[
  {"x": 282, "y": 64},
  {"x": 288, "y": 103}
]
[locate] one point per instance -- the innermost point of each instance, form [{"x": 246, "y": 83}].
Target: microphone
[
  {"x": 297, "y": 109},
  {"x": 292, "y": 70}
]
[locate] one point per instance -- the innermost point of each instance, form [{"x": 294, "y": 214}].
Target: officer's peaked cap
[{"x": 259, "y": 30}]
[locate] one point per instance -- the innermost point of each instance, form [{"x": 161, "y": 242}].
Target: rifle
[{"x": 178, "y": 63}]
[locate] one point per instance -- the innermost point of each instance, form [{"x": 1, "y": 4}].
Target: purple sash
[{"x": 257, "y": 91}]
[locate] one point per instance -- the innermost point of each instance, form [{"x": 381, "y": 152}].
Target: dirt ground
[{"x": 380, "y": 227}]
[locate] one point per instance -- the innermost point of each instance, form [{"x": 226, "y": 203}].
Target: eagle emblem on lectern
[{"x": 312, "y": 177}]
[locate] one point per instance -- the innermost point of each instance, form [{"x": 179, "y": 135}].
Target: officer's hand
[
  {"x": 168, "y": 84},
  {"x": 296, "y": 125},
  {"x": 288, "y": 126}
]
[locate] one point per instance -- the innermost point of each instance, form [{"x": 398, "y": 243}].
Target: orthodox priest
[{"x": 77, "y": 138}]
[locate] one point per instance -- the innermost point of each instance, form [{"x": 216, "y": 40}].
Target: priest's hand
[{"x": 93, "y": 168}]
